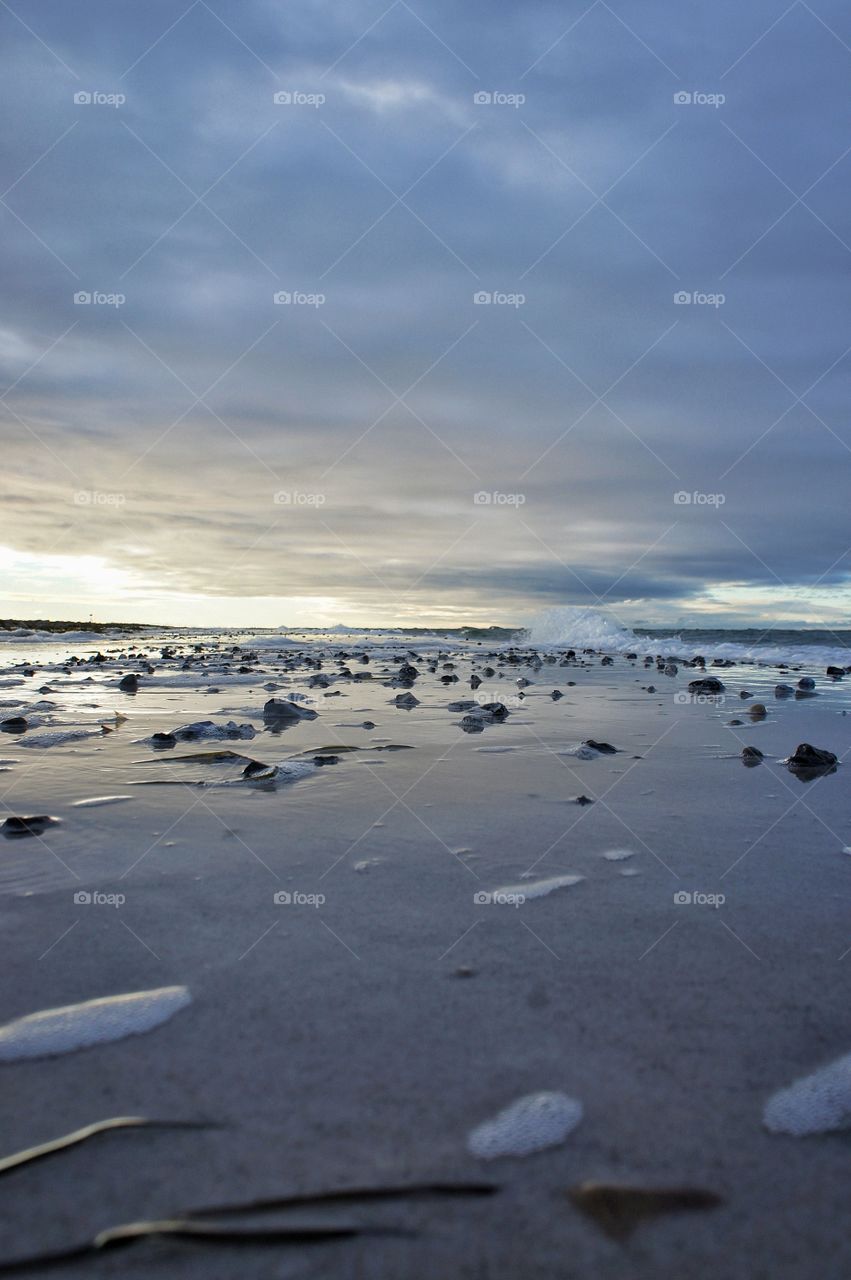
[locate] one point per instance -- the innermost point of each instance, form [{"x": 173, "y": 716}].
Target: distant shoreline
[{"x": 41, "y": 624}]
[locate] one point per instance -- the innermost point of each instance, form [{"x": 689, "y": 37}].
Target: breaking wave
[{"x": 584, "y": 628}]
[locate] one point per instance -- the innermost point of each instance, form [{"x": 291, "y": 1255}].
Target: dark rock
[
  {"x": 783, "y": 691},
  {"x": 163, "y": 740},
  {"x": 583, "y": 800},
  {"x": 33, "y": 826},
  {"x": 406, "y": 701},
  {"x": 279, "y": 709},
  {"x": 494, "y": 711},
  {"x": 15, "y": 724},
  {"x": 556, "y": 694},
  {"x": 808, "y": 757},
  {"x": 255, "y": 767},
  {"x": 757, "y": 711},
  {"x": 322, "y": 760},
  {"x": 806, "y": 682},
  {"x": 751, "y": 755},
  {"x": 129, "y": 683},
  {"x": 605, "y": 748},
  {"x": 836, "y": 672},
  {"x": 707, "y": 684}
]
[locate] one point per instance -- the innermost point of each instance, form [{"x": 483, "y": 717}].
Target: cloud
[{"x": 381, "y": 385}]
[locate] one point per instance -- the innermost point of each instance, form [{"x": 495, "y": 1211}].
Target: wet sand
[{"x": 333, "y": 1034}]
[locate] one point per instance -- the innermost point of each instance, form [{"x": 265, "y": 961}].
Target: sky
[{"x": 424, "y": 312}]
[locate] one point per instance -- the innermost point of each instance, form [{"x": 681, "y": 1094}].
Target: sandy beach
[{"x": 357, "y": 1007}]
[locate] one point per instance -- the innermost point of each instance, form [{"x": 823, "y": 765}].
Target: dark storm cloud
[{"x": 398, "y": 198}]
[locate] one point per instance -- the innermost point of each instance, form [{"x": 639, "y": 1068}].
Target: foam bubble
[
  {"x": 76, "y": 1026},
  {"x": 818, "y": 1103},
  {"x": 532, "y": 1123},
  {"x": 535, "y": 888}
]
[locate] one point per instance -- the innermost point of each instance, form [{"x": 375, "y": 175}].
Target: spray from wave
[
  {"x": 583, "y": 629},
  {"x": 572, "y": 626}
]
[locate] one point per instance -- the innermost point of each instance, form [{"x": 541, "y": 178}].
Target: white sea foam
[
  {"x": 534, "y": 888},
  {"x": 532, "y": 1123},
  {"x": 91, "y": 802},
  {"x": 818, "y": 1103},
  {"x": 617, "y": 855},
  {"x": 579, "y": 751},
  {"x": 24, "y": 635},
  {"x": 76, "y": 1026},
  {"x": 581, "y": 628},
  {"x": 267, "y": 642}
]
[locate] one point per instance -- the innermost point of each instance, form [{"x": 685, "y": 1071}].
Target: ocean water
[{"x": 569, "y": 626}]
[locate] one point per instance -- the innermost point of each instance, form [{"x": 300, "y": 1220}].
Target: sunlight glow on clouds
[{"x": 580, "y": 411}]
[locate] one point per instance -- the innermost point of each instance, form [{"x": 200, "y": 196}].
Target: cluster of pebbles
[{"x": 499, "y": 680}]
